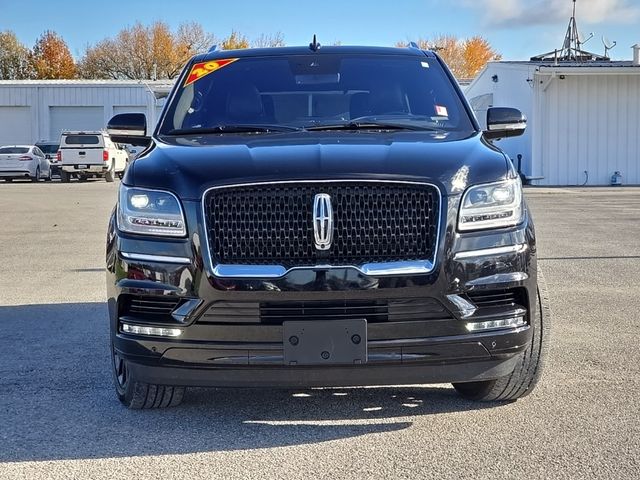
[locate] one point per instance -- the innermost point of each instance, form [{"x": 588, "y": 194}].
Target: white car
[
  {"x": 24, "y": 161},
  {"x": 84, "y": 155}
]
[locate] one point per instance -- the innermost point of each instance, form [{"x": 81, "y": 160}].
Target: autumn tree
[
  {"x": 14, "y": 58},
  {"x": 235, "y": 41},
  {"x": 477, "y": 52},
  {"x": 145, "y": 52},
  {"x": 465, "y": 57},
  {"x": 156, "y": 52},
  {"x": 51, "y": 58}
]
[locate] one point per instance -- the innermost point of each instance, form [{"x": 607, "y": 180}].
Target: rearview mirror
[
  {"x": 504, "y": 122},
  {"x": 129, "y": 128}
]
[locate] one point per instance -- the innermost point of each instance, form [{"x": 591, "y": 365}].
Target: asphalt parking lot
[{"x": 59, "y": 417}]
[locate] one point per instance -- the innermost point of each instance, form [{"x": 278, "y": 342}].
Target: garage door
[
  {"x": 75, "y": 118},
  {"x": 15, "y": 125}
]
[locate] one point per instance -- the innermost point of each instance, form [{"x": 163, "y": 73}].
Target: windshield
[
  {"x": 316, "y": 90},
  {"x": 48, "y": 148}
]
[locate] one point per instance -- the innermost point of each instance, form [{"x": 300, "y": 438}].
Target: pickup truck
[{"x": 84, "y": 155}]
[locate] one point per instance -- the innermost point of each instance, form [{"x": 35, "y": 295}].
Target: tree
[
  {"x": 235, "y": 41},
  {"x": 465, "y": 57},
  {"x": 51, "y": 58},
  {"x": 267, "y": 40},
  {"x": 477, "y": 53},
  {"x": 15, "y": 63},
  {"x": 145, "y": 52}
]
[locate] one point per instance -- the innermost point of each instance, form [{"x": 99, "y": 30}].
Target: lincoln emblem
[{"x": 322, "y": 221}]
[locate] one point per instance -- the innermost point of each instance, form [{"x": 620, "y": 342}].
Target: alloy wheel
[{"x": 120, "y": 368}]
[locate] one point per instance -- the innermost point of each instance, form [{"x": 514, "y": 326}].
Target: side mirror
[
  {"x": 504, "y": 122},
  {"x": 129, "y": 128}
]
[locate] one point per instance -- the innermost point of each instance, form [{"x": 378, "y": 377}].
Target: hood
[{"x": 188, "y": 166}]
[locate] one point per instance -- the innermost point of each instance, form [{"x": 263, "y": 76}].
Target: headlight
[
  {"x": 492, "y": 205},
  {"x": 150, "y": 212}
]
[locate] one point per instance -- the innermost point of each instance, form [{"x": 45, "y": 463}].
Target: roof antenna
[
  {"x": 314, "y": 46},
  {"x": 571, "y": 50},
  {"x": 608, "y": 45}
]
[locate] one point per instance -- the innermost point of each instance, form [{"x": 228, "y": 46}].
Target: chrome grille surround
[{"x": 389, "y": 265}]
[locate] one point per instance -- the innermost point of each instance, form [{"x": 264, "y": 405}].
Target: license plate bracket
[
  {"x": 81, "y": 167},
  {"x": 329, "y": 342}
]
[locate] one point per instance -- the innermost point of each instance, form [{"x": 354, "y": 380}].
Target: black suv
[{"x": 321, "y": 217}]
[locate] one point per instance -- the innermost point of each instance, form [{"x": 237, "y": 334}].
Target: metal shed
[
  {"x": 35, "y": 110},
  {"x": 584, "y": 118}
]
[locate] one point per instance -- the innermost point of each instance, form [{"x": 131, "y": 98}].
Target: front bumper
[
  {"x": 336, "y": 376},
  {"x": 228, "y": 353}
]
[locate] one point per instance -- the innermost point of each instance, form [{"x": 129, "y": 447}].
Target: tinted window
[
  {"x": 82, "y": 140},
  {"x": 37, "y": 152},
  {"x": 311, "y": 90},
  {"x": 49, "y": 149},
  {"x": 14, "y": 150}
]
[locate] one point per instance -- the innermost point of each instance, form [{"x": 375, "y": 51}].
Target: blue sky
[{"x": 517, "y": 28}]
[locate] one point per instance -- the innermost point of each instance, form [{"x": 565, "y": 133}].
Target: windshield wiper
[
  {"x": 368, "y": 125},
  {"x": 233, "y": 128}
]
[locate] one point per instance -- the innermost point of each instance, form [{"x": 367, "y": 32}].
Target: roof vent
[{"x": 636, "y": 55}]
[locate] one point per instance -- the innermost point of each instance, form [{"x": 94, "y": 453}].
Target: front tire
[
  {"x": 139, "y": 395},
  {"x": 525, "y": 376}
]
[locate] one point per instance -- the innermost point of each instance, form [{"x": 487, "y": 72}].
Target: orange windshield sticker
[{"x": 202, "y": 69}]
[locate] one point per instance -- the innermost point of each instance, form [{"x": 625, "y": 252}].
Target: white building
[
  {"x": 35, "y": 110},
  {"x": 584, "y": 118}
]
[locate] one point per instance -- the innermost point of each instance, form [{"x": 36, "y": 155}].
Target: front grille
[
  {"x": 374, "y": 311},
  {"x": 273, "y": 223},
  {"x": 498, "y": 298},
  {"x": 150, "y": 309}
]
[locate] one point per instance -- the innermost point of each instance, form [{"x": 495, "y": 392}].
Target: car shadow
[{"x": 57, "y": 400}]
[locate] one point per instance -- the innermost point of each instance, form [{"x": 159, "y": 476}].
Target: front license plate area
[{"x": 325, "y": 342}]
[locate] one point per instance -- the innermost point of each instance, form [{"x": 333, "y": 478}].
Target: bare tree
[{"x": 269, "y": 40}]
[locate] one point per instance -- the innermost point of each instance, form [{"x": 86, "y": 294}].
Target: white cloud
[{"x": 505, "y": 13}]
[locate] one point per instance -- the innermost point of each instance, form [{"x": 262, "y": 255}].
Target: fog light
[
  {"x": 496, "y": 324},
  {"x": 153, "y": 331}
]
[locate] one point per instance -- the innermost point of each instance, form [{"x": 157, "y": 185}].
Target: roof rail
[{"x": 214, "y": 48}]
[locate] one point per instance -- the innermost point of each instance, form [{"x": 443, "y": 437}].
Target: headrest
[{"x": 244, "y": 103}]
